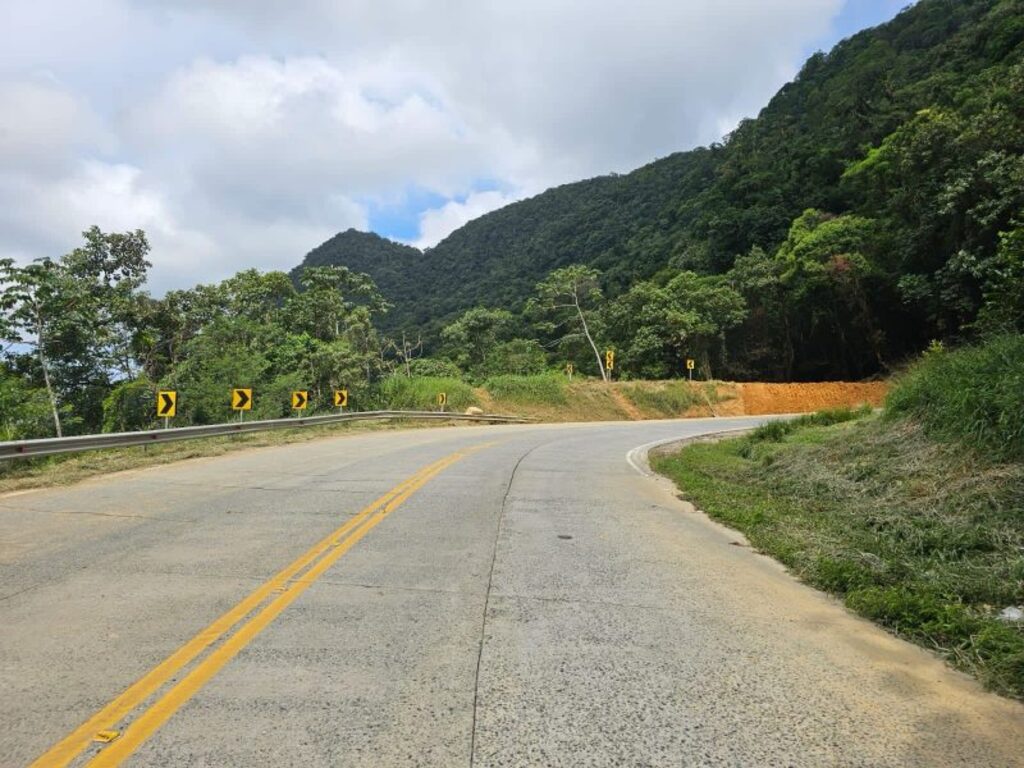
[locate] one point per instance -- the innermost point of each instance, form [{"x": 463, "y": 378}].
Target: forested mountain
[
  {"x": 859, "y": 214},
  {"x": 390, "y": 262}
]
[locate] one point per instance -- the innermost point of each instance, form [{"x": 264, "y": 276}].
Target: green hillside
[{"x": 905, "y": 141}]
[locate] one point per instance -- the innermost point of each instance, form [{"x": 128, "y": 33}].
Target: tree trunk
[
  {"x": 586, "y": 332},
  {"x": 46, "y": 377}
]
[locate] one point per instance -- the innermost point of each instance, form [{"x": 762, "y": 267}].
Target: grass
[
  {"x": 542, "y": 389},
  {"x": 419, "y": 393},
  {"x": 973, "y": 395},
  {"x": 673, "y": 398},
  {"x": 921, "y": 536}
]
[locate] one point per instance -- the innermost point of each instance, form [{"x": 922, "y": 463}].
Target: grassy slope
[{"x": 926, "y": 538}]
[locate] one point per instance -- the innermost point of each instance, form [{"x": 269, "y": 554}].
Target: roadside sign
[
  {"x": 609, "y": 359},
  {"x": 241, "y": 399},
  {"x": 300, "y": 399},
  {"x": 690, "y": 363},
  {"x": 569, "y": 369},
  {"x": 166, "y": 403},
  {"x": 442, "y": 399},
  {"x": 341, "y": 398}
]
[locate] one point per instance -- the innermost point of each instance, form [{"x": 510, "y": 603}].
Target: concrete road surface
[{"x": 473, "y": 596}]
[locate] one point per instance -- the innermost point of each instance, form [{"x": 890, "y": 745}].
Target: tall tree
[{"x": 566, "y": 304}]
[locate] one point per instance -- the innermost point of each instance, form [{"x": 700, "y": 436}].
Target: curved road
[{"x": 474, "y": 596}]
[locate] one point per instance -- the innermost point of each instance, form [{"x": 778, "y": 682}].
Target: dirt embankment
[
  {"x": 761, "y": 399},
  {"x": 589, "y": 400}
]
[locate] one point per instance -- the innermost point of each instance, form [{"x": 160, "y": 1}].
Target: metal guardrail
[{"x": 46, "y": 446}]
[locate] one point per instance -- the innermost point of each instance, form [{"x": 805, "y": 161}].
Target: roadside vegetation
[
  {"x": 914, "y": 517},
  {"x": 70, "y": 468}
]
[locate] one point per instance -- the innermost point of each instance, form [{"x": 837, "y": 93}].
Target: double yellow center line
[{"x": 281, "y": 591}]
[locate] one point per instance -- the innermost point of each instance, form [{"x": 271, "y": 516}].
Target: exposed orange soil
[{"x": 759, "y": 399}]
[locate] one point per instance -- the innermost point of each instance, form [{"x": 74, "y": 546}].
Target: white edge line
[{"x": 637, "y": 457}]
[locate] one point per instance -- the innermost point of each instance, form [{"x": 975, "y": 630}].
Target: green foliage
[
  {"x": 545, "y": 389},
  {"x": 24, "y": 410},
  {"x": 419, "y": 393},
  {"x": 79, "y": 318},
  {"x": 973, "y": 396},
  {"x": 519, "y": 357},
  {"x": 130, "y": 405},
  {"x": 1003, "y": 310},
  {"x": 566, "y": 312},
  {"x": 656, "y": 327},
  {"x": 469, "y": 339},
  {"x": 429, "y": 367}
]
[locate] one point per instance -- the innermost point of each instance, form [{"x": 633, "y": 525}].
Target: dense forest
[
  {"x": 874, "y": 207},
  {"x": 868, "y": 209}
]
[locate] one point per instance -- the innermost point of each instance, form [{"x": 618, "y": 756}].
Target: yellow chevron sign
[
  {"x": 241, "y": 399},
  {"x": 340, "y": 398},
  {"x": 300, "y": 399},
  {"x": 166, "y": 403}
]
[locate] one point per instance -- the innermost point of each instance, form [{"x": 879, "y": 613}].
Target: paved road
[{"x": 485, "y": 596}]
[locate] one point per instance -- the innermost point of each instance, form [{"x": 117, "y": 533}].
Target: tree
[
  {"x": 405, "y": 351},
  {"x": 826, "y": 271},
  {"x": 328, "y": 301},
  {"x": 519, "y": 357},
  {"x": 659, "y": 326},
  {"x": 467, "y": 340},
  {"x": 111, "y": 268},
  {"x": 1003, "y": 311},
  {"x": 40, "y": 303},
  {"x": 563, "y": 302}
]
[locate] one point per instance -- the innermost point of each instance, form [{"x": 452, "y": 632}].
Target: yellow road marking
[
  {"x": 66, "y": 750},
  {"x": 156, "y": 715}
]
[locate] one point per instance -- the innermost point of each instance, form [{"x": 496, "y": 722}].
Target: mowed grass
[{"x": 924, "y": 537}]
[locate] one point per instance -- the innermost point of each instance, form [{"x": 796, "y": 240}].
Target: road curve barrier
[{"x": 16, "y": 449}]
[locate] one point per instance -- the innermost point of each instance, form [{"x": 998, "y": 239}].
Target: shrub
[
  {"x": 130, "y": 405},
  {"x": 433, "y": 367}
]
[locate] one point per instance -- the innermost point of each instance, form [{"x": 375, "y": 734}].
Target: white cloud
[
  {"x": 243, "y": 134},
  {"x": 43, "y": 126},
  {"x": 437, "y": 223}
]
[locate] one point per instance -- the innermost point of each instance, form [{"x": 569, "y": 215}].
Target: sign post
[
  {"x": 166, "y": 405},
  {"x": 609, "y": 361},
  {"x": 241, "y": 401},
  {"x": 442, "y": 400},
  {"x": 569, "y": 370},
  {"x": 690, "y": 365}
]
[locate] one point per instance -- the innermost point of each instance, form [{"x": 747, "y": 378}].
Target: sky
[{"x": 243, "y": 134}]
